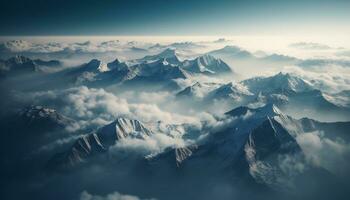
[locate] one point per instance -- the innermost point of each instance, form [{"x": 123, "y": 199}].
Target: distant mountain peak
[
  {"x": 280, "y": 81},
  {"x": 19, "y": 59},
  {"x": 268, "y": 110},
  {"x": 232, "y": 52},
  {"x": 39, "y": 116},
  {"x": 231, "y": 48},
  {"x": 17, "y": 65},
  {"x": 207, "y": 59},
  {"x": 284, "y": 75},
  {"x": 117, "y": 65},
  {"x": 93, "y": 62},
  {"x": 207, "y": 64},
  {"x": 122, "y": 128},
  {"x": 231, "y": 90},
  {"x": 95, "y": 143},
  {"x": 96, "y": 64},
  {"x": 279, "y": 57},
  {"x": 115, "y": 61},
  {"x": 169, "y": 52}
]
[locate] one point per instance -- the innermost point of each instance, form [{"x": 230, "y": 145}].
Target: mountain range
[
  {"x": 287, "y": 91},
  {"x": 20, "y": 65},
  {"x": 162, "y": 69},
  {"x": 252, "y": 148},
  {"x": 169, "y": 124}
]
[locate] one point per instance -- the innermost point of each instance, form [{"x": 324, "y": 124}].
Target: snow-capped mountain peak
[
  {"x": 280, "y": 81},
  {"x": 231, "y": 52},
  {"x": 231, "y": 90},
  {"x": 207, "y": 64},
  {"x": 169, "y": 54},
  {"x": 198, "y": 89},
  {"x": 122, "y": 128},
  {"x": 231, "y": 49},
  {"x": 269, "y": 110},
  {"x": 99, "y": 142}
]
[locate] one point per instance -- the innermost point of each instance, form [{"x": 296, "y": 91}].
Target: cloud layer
[
  {"x": 112, "y": 196},
  {"x": 325, "y": 152},
  {"x": 329, "y": 78},
  {"x": 98, "y": 107}
]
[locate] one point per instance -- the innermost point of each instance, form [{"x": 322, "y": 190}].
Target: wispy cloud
[{"x": 310, "y": 46}]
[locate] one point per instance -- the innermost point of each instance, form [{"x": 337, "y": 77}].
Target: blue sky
[{"x": 173, "y": 17}]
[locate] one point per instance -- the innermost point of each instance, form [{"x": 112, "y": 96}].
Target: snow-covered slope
[
  {"x": 254, "y": 146},
  {"x": 95, "y": 143},
  {"x": 296, "y": 96},
  {"x": 169, "y": 55},
  {"x": 157, "y": 75},
  {"x": 232, "y": 91},
  {"x": 198, "y": 90},
  {"x": 229, "y": 141},
  {"x": 251, "y": 145},
  {"x": 97, "y": 73},
  {"x": 232, "y": 52},
  {"x": 239, "y": 148},
  {"x": 207, "y": 64},
  {"x": 280, "y": 81},
  {"x": 208, "y": 93}
]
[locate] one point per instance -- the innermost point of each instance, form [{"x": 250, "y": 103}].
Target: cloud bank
[
  {"x": 324, "y": 152},
  {"x": 330, "y": 78},
  {"x": 112, "y": 196},
  {"x": 98, "y": 107},
  {"x": 310, "y": 46}
]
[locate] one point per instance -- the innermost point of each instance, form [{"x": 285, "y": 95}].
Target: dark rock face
[{"x": 39, "y": 118}]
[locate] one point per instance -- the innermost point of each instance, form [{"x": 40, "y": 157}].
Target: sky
[{"x": 174, "y": 17}]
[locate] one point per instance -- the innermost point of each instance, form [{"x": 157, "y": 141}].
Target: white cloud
[
  {"x": 17, "y": 46},
  {"x": 330, "y": 78},
  {"x": 98, "y": 107},
  {"x": 331, "y": 154},
  {"x": 310, "y": 46},
  {"x": 112, "y": 196},
  {"x": 150, "y": 145},
  {"x": 148, "y": 97},
  {"x": 345, "y": 53}
]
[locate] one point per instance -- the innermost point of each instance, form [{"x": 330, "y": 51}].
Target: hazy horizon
[{"x": 196, "y": 17}]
